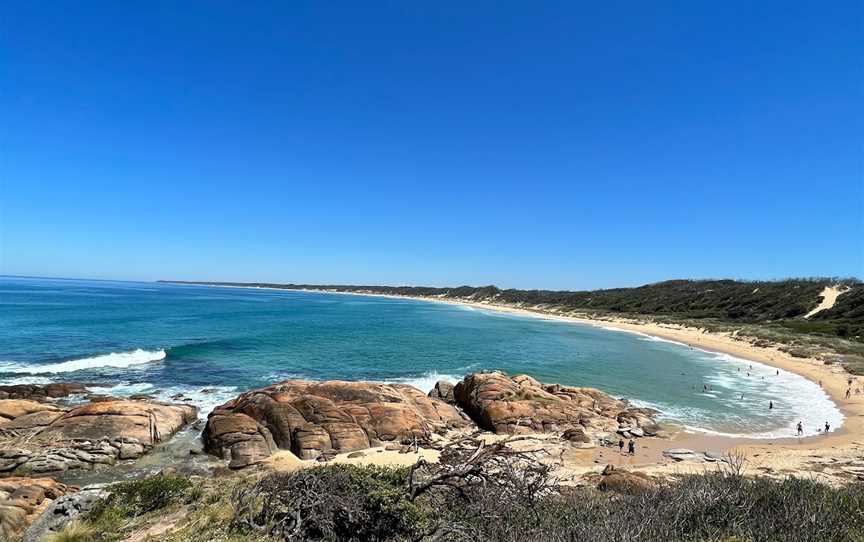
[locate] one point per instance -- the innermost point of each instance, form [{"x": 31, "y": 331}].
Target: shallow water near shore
[{"x": 207, "y": 344}]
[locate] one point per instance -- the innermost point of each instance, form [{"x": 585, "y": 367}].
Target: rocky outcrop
[
  {"x": 314, "y": 419},
  {"x": 521, "y": 404},
  {"x": 41, "y": 392},
  {"x": 63, "y": 510},
  {"x": 147, "y": 422},
  {"x": 623, "y": 481},
  {"x": 443, "y": 390},
  {"x": 22, "y": 500},
  {"x": 38, "y": 438}
]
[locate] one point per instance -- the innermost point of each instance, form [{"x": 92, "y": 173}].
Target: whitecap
[{"x": 114, "y": 359}]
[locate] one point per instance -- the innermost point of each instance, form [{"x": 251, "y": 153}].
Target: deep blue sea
[{"x": 210, "y": 343}]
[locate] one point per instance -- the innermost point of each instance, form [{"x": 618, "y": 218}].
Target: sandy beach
[{"x": 833, "y": 457}]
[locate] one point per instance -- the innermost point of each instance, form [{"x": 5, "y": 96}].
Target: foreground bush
[
  {"x": 339, "y": 502},
  {"x": 128, "y": 501},
  {"x": 710, "y": 507},
  {"x": 345, "y": 503},
  {"x": 472, "y": 500}
]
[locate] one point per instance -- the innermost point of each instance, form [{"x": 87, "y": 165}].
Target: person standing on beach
[
  {"x": 848, "y": 393},
  {"x": 827, "y": 427},
  {"x": 620, "y": 445},
  {"x": 800, "y": 429},
  {"x": 631, "y": 447}
]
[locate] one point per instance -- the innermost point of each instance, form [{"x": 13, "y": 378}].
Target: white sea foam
[
  {"x": 24, "y": 380},
  {"x": 114, "y": 359},
  {"x": 426, "y": 381},
  {"x": 795, "y": 398},
  {"x": 206, "y": 398}
]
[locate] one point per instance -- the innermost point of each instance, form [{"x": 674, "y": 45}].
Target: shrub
[
  {"x": 138, "y": 497},
  {"x": 340, "y": 502},
  {"x": 74, "y": 531}
]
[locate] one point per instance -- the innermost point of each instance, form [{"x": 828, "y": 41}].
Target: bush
[
  {"x": 340, "y": 502},
  {"x": 351, "y": 503},
  {"x": 133, "y": 499},
  {"x": 74, "y": 531},
  {"x": 138, "y": 497},
  {"x": 711, "y": 507}
]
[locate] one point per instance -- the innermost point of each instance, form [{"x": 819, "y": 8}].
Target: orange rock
[
  {"x": 149, "y": 423},
  {"x": 22, "y": 500},
  {"x": 314, "y": 418},
  {"x": 521, "y": 405},
  {"x": 12, "y": 408}
]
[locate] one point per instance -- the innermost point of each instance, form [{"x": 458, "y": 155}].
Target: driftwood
[{"x": 471, "y": 461}]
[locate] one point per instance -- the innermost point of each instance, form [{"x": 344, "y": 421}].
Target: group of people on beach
[
  {"x": 800, "y": 428},
  {"x": 849, "y": 383},
  {"x": 631, "y": 446}
]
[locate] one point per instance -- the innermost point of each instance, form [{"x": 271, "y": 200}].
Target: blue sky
[{"x": 525, "y": 144}]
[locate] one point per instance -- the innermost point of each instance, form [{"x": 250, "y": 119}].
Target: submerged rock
[{"x": 314, "y": 419}]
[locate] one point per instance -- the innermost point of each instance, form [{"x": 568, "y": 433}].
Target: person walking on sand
[
  {"x": 827, "y": 427},
  {"x": 631, "y": 447},
  {"x": 620, "y": 445},
  {"x": 848, "y": 393},
  {"x": 800, "y": 429}
]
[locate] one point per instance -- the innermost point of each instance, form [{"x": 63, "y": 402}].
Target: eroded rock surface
[
  {"x": 624, "y": 481},
  {"x": 22, "y": 500},
  {"x": 521, "y": 405},
  {"x": 41, "y": 392},
  {"x": 39, "y": 437},
  {"x": 312, "y": 419},
  {"x": 63, "y": 510}
]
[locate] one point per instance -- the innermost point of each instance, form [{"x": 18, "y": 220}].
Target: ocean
[{"x": 211, "y": 343}]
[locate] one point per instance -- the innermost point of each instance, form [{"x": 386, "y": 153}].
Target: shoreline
[
  {"x": 788, "y": 455},
  {"x": 831, "y": 457},
  {"x": 699, "y": 339}
]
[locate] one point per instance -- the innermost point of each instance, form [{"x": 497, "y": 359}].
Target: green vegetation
[
  {"x": 339, "y": 502},
  {"x": 351, "y": 503}
]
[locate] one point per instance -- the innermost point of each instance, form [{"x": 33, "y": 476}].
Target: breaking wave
[{"x": 114, "y": 359}]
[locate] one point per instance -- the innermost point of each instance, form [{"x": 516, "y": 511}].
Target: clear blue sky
[{"x": 525, "y": 144}]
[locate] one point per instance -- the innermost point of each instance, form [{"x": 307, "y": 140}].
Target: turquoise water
[{"x": 211, "y": 343}]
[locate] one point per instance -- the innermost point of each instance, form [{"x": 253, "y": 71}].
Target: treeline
[{"x": 782, "y": 302}]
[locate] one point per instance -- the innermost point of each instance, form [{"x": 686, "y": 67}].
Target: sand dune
[{"x": 829, "y": 297}]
